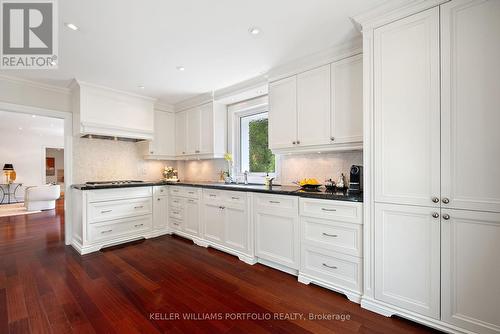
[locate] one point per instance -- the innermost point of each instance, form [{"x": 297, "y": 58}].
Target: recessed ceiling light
[
  {"x": 71, "y": 26},
  {"x": 20, "y": 128},
  {"x": 141, "y": 87},
  {"x": 33, "y": 116},
  {"x": 254, "y": 31},
  {"x": 180, "y": 68}
]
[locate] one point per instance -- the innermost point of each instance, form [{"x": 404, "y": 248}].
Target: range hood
[{"x": 104, "y": 113}]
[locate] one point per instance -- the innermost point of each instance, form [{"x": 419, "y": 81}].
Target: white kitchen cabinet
[
  {"x": 407, "y": 261},
  {"x": 470, "y": 86},
  {"x": 313, "y": 107},
  {"x": 213, "y": 222},
  {"x": 192, "y": 213},
  {"x": 204, "y": 132},
  {"x": 193, "y": 132},
  {"x": 160, "y": 214},
  {"x": 406, "y": 110},
  {"x": 163, "y": 144},
  {"x": 226, "y": 224},
  {"x": 283, "y": 113},
  {"x": 347, "y": 101},
  {"x": 108, "y": 112},
  {"x": 180, "y": 133},
  {"x": 277, "y": 229},
  {"x": 470, "y": 270},
  {"x": 319, "y": 109}
]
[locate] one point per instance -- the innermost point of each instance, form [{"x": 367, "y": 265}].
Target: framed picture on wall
[{"x": 50, "y": 166}]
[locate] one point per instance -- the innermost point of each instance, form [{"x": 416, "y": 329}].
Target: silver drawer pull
[
  {"x": 138, "y": 207},
  {"x": 191, "y": 200},
  {"x": 106, "y": 211},
  {"x": 176, "y": 224},
  {"x": 191, "y": 192},
  {"x": 175, "y": 212},
  {"x": 107, "y": 231},
  {"x": 212, "y": 195},
  {"x": 175, "y": 201},
  {"x": 138, "y": 225},
  {"x": 329, "y": 210},
  {"x": 175, "y": 191},
  {"x": 330, "y": 235},
  {"x": 159, "y": 199},
  {"x": 331, "y": 267},
  {"x": 235, "y": 198},
  {"x": 275, "y": 202}
]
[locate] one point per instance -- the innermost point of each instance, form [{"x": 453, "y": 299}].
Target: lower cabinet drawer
[
  {"x": 117, "y": 228},
  {"x": 110, "y": 210},
  {"x": 176, "y": 213},
  {"x": 336, "y": 210},
  {"x": 346, "y": 238},
  {"x": 176, "y": 224},
  {"x": 332, "y": 267}
]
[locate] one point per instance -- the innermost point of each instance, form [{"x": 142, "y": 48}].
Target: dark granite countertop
[{"x": 322, "y": 193}]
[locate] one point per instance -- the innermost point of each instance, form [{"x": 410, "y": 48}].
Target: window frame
[{"x": 236, "y": 113}]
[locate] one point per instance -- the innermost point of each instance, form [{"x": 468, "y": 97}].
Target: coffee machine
[{"x": 356, "y": 179}]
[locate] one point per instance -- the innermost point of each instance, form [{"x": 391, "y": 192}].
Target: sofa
[{"x": 41, "y": 197}]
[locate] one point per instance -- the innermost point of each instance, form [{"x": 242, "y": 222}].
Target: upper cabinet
[
  {"x": 107, "y": 112},
  {"x": 163, "y": 144},
  {"x": 319, "y": 109},
  {"x": 201, "y": 132}
]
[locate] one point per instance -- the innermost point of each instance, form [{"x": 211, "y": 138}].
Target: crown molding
[
  {"x": 164, "y": 107},
  {"x": 194, "y": 101},
  {"x": 75, "y": 82},
  {"x": 393, "y": 10},
  {"x": 35, "y": 84},
  {"x": 242, "y": 91},
  {"x": 347, "y": 49}
]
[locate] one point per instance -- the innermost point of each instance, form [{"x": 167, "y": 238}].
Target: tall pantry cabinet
[{"x": 432, "y": 157}]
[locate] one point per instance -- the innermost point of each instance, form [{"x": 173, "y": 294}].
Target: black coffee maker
[{"x": 356, "y": 179}]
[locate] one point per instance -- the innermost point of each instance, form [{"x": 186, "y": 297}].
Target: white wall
[{"x": 25, "y": 148}]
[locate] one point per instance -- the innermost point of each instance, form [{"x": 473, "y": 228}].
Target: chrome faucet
[{"x": 246, "y": 177}]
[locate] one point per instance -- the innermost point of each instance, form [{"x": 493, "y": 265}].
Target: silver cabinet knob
[
  {"x": 332, "y": 138},
  {"x": 446, "y": 216},
  {"x": 435, "y": 200},
  {"x": 294, "y": 142},
  {"x": 435, "y": 215},
  {"x": 298, "y": 142},
  {"x": 445, "y": 200}
]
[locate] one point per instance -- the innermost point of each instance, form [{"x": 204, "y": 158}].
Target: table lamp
[{"x": 10, "y": 174}]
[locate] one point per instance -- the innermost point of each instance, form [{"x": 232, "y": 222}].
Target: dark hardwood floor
[{"x": 46, "y": 287}]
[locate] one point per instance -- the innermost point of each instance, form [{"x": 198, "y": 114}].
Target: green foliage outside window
[{"x": 261, "y": 158}]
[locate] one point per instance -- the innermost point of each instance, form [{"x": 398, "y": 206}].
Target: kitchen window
[{"x": 251, "y": 141}]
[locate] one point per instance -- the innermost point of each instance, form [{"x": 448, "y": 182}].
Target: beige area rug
[{"x": 7, "y": 210}]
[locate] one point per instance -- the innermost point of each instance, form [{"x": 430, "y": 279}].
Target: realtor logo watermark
[{"x": 29, "y": 34}]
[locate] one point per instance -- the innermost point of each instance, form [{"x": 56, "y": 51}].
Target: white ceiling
[
  {"x": 123, "y": 44},
  {"x": 29, "y": 125}
]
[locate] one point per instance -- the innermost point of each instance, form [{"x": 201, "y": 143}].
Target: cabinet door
[
  {"x": 236, "y": 225},
  {"x": 283, "y": 113},
  {"x": 313, "y": 107},
  {"x": 406, "y": 110},
  {"x": 193, "y": 126},
  {"x": 347, "y": 100},
  {"x": 213, "y": 222},
  {"x": 277, "y": 238},
  {"x": 470, "y": 85},
  {"x": 192, "y": 225},
  {"x": 160, "y": 212},
  {"x": 407, "y": 248},
  {"x": 164, "y": 136},
  {"x": 207, "y": 129},
  {"x": 470, "y": 270},
  {"x": 180, "y": 133}
]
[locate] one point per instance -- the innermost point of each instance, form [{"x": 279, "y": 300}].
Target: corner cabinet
[
  {"x": 433, "y": 230},
  {"x": 163, "y": 144},
  {"x": 322, "y": 109},
  {"x": 201, "y": 132}
]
